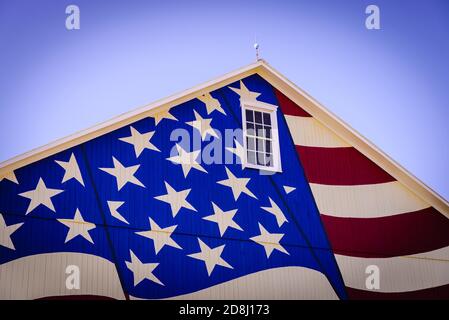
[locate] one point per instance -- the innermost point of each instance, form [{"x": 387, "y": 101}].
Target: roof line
[
  {"x": 275, "y": 78},
  {"x": 125, "y": 119},
  {"x": 354, "y": 138}
]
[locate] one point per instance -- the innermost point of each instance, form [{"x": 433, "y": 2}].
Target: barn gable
[
  {"x": 125, "y": 186},
  {"x": 336, "y": 194}
]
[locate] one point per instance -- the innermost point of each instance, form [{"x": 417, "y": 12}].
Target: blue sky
[{"x": 391, "y": 85}]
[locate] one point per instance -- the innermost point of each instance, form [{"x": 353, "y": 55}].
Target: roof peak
[{"x": 278, "y": 81}]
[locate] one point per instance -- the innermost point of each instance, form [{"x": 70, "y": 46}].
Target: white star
[
  {"x": 238, "y": 150},
  {"x": 77, "y": 227},
  {"x": 187, "y": 160},
  {"x": 140, "y": 141},
  {"x": 142, "y": 271},
  {"x": 164, "y": 114},
  {"x": 113, "y": 208},
  {"x": 5, "y": 233},
  {"x": 211, "y": 257},
  {"x": 203, "y": 126},
  {"x": 9, "y": 176},
  {"x": 224, "y": 219},
  {"x": 211, "y": 103},
  {"x": 270, "y": 241},
  {"x": 176, "y": 199},
  {"x": 289, "y": 189},
  {"x": 72, "y": 170},
  {"x": 123, "y": 174},
  {"x": 40, "y": 195},
  {"x": 238, "y": 185},
  {"x": 244, "y": 93},
  {"x": 161, "y": 236},
  {"x": 276, "y": 211}
]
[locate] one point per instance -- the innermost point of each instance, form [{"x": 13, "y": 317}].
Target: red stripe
[
  {"x": 288, "y": 107},
  {"x": 340, "y": 166},
  {"x": 436, "y": 293},
  {"x": 398, "y": 235}
]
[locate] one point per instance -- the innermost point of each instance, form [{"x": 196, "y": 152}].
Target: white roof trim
[
  {"x": 124, "y": 119},
  {"x": 281, "y": 83}
]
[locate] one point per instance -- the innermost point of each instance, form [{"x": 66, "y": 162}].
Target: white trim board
[{"x": 288, "y": 88}]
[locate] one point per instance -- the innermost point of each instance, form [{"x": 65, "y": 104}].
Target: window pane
[
  {"x": 250, "y": 143},
  {"x": 267, "y": 132},
  {"x": 259, "y": 135},
  {"x": 268, "y": 146},
  {"x": 259, "y": 145},
  {"x": 259, "y": 130},
  {"x": 260, "y": 159},
  {"x": 269, "y": 159},
  {"x": 258, "y": 117},
  {"x": 250, "y": 129},
  {"x": 249, "y": 115},
  {"x": 251, "y": 157},
  {"x": 267, "y": 118}
]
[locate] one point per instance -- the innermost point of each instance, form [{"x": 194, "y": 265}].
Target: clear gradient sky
[{"x": 391, "y": 85}]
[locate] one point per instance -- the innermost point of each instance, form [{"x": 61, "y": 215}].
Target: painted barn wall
[
  {"x": 41, "y": 238},
  {"x": 342, "y": 204},
  {"x": 35, "y": 267},
  {"x": 370, "y": 218}
]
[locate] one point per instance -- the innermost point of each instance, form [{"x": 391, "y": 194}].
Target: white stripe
[
  {"x": 365, "y": 201},
  {"x": 44, "y": 275},
  {"x": 398, "y": 274},
  {"x": 306, "y": 131},
  {"x": 286, "y": 283},
  {"x": 440, "y": 254}
]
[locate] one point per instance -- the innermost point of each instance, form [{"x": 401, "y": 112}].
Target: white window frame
[{"x": 276, "y": 151}]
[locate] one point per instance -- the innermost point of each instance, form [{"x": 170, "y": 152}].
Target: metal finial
[{"x": 256, "y": 46}]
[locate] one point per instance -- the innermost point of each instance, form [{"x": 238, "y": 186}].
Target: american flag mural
[
  {"x": 369, "y": 217},
  {"x": 142, "y": 216}
]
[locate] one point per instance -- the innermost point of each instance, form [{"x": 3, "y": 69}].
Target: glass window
[{"x": 262, "y": 146}]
